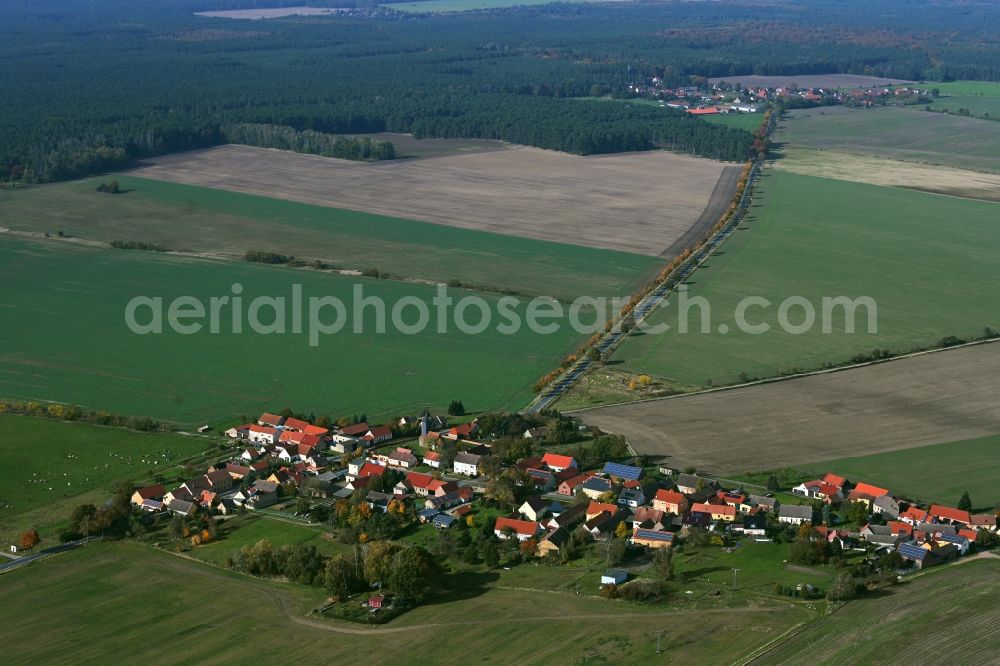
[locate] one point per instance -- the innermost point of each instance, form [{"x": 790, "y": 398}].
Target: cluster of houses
[{"x": 922, "y": 536}]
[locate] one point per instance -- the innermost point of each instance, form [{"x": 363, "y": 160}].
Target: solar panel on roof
[
  {"x": 912, "y": 551},
  {"x": 622, "y": 471},
  {"x": 654, "y": 535}
]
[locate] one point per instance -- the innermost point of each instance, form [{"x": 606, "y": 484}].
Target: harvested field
[
  {"x": 898, "y": 405},
  {"x": 891, "y": 173},
  {"x": 639, "y": 202},
  {"x": 896, "y": 133},
  {"x": 808, "y": 81}
]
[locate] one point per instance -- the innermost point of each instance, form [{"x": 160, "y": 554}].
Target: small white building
[{"x": 614, "y": 577}]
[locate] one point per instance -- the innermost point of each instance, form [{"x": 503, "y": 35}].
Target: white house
[
  {"x": 259, "y": 434},
  {"x": 467, "y": 463},
  {"x": 794, "y": 514}
]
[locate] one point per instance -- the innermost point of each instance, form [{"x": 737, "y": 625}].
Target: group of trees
[
  {"x": 308, "y": 141},
  {"x": 74, "y": 413}
]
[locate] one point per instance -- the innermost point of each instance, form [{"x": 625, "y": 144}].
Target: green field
[
  {"x": 463, "y": 5},
  {"x": 749, "y": 121},
  {"x": 186, "y": 217},
  {"x": 51, "y": 466},
  {"x": 905, "y": 134},
  {"x": 935, "y": 473},
  {"x": 70, "y": 342},
  {"x": 909, "y": 624},
  {"x": 928, "y": 261},
  {"x": 136, "y": 603}
]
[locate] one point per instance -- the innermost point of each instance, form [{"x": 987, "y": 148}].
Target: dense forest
[{"x": 90, "y": 85}]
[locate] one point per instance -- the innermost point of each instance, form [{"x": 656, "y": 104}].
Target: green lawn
[
  {"x": 935, "y": 473},
  {"x": 760, "y": 565},
  {"x": 136, "y": 603},
  {"x": 928, "y": 261},
  {"x": 905, "y": 134},
  {"x": 909, "y": 624},
  {"x": 185, "y": 217},
  {"x": 51, "y": 466},
  {"x": 246, "y": 531},
  {"x": 70, "y": 342}
]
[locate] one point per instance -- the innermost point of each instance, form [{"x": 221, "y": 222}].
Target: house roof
[
  {"x": 912, "y": 551},
  {"x": 687, "y": 481},
  {"x": 525, "y": 527},
  {"x": 271, "y": 419},
  {"x": 622, "y": 471},
  {"x": 444, "y": 520},
  {"x": 268, "y": 430},
  {"x": 949, "y": 513},
  {"x": 834, "y": 479},
  {"x": 983, "y": 520},
  {"x": 595, "y": 508},
  {"x": 371, "y": 469},
  {"x": 597, "y": 483},
  {"x": 355, "y": 429},
  {"x": 714, "y": 509},
  {"x": 379, "y": 432},
  {"x": 150, "y": 492},
  {"x": 418, "y": 480},
  {"x": 432, "y": 455},
  {"x": 316, "y": 430},
  {"x": 180, "y": 505},
  {"x": 556, "y": 460},
  {"x": 653, "y": 535},
  {"x": 644, "y": 513},
  {"x": 795, "y": 511},
  {"x": 914, "y": 513},
  {"x": 633, "y": 494},
  {"x": 295, "y": 424},
  {"x": 536, "y": 503},
  {"x": 465, "y": 458},
  {"x": 868, "y": 489},
  {"x": 669, "y": 496}
]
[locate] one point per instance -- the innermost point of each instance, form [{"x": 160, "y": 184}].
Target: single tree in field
[
  {"x": 490, "y": 554},
  {"x": 663, "y": 563},
  {"x": 456, "y": 408},
  {"x": 30, "y": 539},
  {"x": 965, "y": 504},
  {"x": 772, "y": 483}
]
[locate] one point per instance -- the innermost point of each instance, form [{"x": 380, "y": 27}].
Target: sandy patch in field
[
  {"x": 892, "y": 173},
  {"x": 637, "y": 202},
  {"x": 808, "y": 81},
  {"x": 927, "y": 399}
]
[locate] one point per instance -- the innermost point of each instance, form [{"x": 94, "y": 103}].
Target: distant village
[
  {"x": 723, "y": 97},
  {"x": 281, "y": 457}
]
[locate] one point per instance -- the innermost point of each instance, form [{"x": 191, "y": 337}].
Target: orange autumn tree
[{"x": 30, "y": 539}]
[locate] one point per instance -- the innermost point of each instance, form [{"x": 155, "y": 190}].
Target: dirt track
[
  {"x": 927, "y": 399},
  {"x": 637, "y": 202}
]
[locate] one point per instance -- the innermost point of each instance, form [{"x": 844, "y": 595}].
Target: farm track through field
[{"x": 717, "y": 204}]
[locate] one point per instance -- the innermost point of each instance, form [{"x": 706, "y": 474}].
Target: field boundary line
[{"x": 800, "y": 375}]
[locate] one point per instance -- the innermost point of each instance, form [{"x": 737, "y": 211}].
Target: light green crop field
[
  {"x": 983, "y": 88},
  {"x": 136, "y": 603},
  {"x": 463, "y": 5},
  {"x": 749, "y": 121},
  {"x": 51, "y": 466},
  {"x": 928, "y": 262},
  {"x": 187, "y": 217},
  {"x": 64, "y": 338},
  {"x": 909, "y": 624},
  {"x": 936, "y": 473},
  {"x": 904, "y": 134}
]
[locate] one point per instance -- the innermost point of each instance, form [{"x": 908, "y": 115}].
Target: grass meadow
[
  {"x": 71, "y": 343},
  {"x": 905, "y": 134},
  {"x": 51, "y": 466},
  {"x": 749, "y": 121},
  {"x": 187, "y": 217},
  {"x": 927, "y": 260},
  {"x": 909, "y": 623},
  {"x": 131, "y": 601}
]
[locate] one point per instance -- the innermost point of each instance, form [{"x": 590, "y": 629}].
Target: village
[
  {"x": 721, "y": 97},
  {"x": 550, "y": 506}
]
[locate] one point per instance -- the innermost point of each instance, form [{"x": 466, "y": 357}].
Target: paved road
[{"x": 42, "y": 554}]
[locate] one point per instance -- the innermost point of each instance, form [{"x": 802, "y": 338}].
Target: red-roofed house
[
  {"x": 462, "y": 431},
  {"x": 272, "y": 420},
  {"x": 722, "y": 512},
  {"x": 866, "y": 492},
  {"x": 568, "y": 486},
  {"x": 947, "y": 513},
  {"x": 834, "y": 480},
  {"x": 298, "y": 437},
  {"x": 378, "y": 434},
  {"x": 558, "y": 463},
  {"x": 262, "y": 434},
  {"x": 596, "y": 508},
  {"x": 148, "y": 493},
  {"x": 419, "y": 482},
  {"x": 295, "y": 424},
  {"x": 521, "y": 529},
  {"x": 984, "y": 521},
  {"x": 432, "y": 459},
  {"x": 710, "y": 111},
  {"x": 899, "y": 527},
  {"x": 370, "y": 469},
  {"x": 316, "y": 430},
  {"x": 356, "y": 430},
  {"x": 670, "y": 501}
]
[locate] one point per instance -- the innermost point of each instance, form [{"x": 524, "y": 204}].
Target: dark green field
[
  {"x": 51, "y": 466},
  {"x": 186, "y": 217},
  {"x": 70, "y": 343},
  {"x": 928, "y": 261},
  {"x": 904, "y": 134}
]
